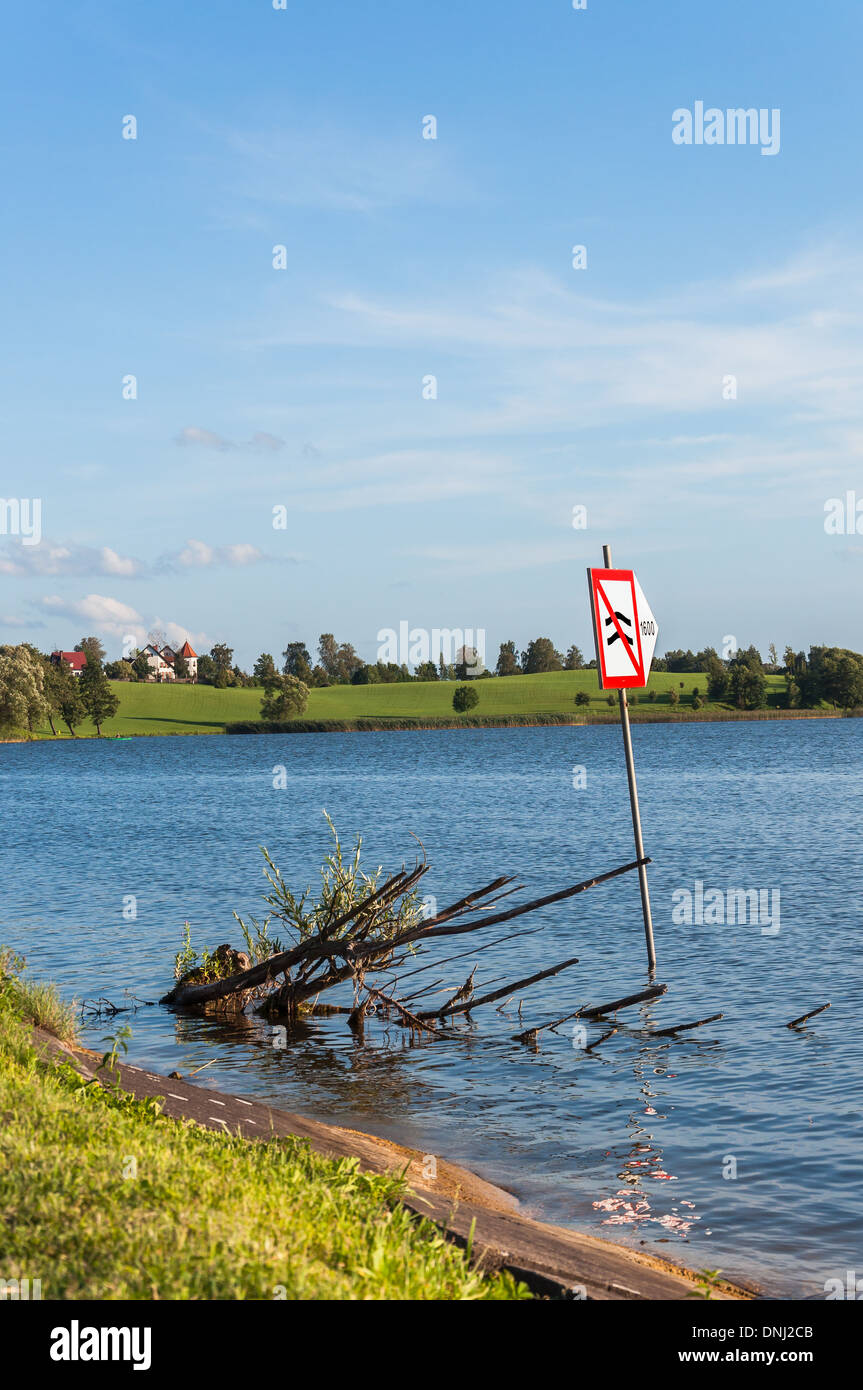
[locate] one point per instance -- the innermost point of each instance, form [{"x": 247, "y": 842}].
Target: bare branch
[{"x": 469, "y": 1004}]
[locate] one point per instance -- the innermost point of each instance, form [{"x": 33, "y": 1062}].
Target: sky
[{"x": 694, "y": 385}]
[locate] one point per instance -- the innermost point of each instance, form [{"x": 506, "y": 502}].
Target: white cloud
[
  {"x": 198, "y": 555},
  {"x": 104, "y": 613},
  {"x": 49, "y": 558},
  {"x": 177, "y": 635},
  {"x": 108, "y": 616},
  {"x": 242, "y": 554},
  {"x": 112, "y": 563}
]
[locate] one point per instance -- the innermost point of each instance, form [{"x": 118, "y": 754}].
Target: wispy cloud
[
  {"x": 528, "y": 352},
  {"x": 401, "y": 476},
  {"x": 344, "y": 170},
  {"x": 496, "y": 559},
  {"x": 10, "y": 620},
  {"x": 193, "y": 436}
]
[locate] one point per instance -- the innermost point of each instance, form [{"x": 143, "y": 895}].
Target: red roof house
[{"x": 75, "y": 660}]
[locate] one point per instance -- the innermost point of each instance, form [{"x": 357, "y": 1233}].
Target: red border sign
[{"x": 599, "y": 607}]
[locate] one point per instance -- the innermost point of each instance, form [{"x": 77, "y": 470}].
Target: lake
[{"x": 735, "y": 1146}]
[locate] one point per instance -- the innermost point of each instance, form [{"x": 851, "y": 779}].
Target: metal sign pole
[{"x": 636, "y": 815}]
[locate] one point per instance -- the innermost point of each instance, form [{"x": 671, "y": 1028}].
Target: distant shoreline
[
  {"x": 530, "y": 721},
  {"x": 475, "y": 723}
]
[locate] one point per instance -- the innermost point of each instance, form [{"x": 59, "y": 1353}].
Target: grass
[
  {"x": 37, "y": 1003},
  {"x": 103, "y": 1197},
  {"x": 201, "y": 709}
]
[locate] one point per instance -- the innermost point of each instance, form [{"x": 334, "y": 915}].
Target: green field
[{"x": 201, "y": 709}]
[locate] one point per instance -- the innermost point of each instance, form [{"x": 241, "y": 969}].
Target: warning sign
[{"x": 624, "y": 629}]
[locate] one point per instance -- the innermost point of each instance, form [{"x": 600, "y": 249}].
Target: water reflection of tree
[{"x": 368, "y": 1075}]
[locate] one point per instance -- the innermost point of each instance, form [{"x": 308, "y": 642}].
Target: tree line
[
  {"x": 828, "y": 674},
  {"x": 35, "y": 691},
  {"x": 831, "y": 675}
]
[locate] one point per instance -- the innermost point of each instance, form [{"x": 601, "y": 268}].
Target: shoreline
[
  {"x": 553, "y": 1261},
  {"x": 470, "y": 723}
]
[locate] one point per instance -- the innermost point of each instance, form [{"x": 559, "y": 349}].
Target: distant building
[
  {"x": 191, "y": 660},
  {"x": 76, "y": 661},
  {"x": 161, "y": 662}
]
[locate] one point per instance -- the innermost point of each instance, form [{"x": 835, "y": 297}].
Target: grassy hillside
[{"x": 201, "y": 709}]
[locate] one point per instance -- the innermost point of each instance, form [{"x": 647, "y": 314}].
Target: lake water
[{"x": 638, "y": 1141}]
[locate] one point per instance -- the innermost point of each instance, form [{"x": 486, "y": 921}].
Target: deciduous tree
[
  {"x": 264, "y": 670},
  {"x": 507, "y": 660},
  {"x": 23, "y": 703},
  {"x": 465, "y": 697},
  {"x": 91, "y": 646},
  {"x": 222, "y": 658},
  {"x": 297, "y": 661},
  {"x": 286, "y": 699},
  {"x": 540, "y": 656}
]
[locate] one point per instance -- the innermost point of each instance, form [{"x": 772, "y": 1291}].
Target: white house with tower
[{"x": 161, "y": 661}]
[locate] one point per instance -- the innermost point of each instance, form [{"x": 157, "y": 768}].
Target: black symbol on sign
[{"x": 623, "y": 618}]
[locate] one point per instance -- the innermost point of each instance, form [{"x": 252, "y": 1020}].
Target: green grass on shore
[
  {"x": 104, "y": 1198},
  {"x": 201, "y": 709}
]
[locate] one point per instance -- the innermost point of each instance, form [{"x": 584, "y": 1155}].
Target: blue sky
[{"x": 406, "y": 258}]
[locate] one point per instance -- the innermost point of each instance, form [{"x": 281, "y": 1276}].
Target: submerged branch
[
  {"x": 466, "y": 1005},
  {"x": 361, "y": 927}
]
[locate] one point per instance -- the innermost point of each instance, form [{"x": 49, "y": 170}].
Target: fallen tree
[{"x": 359, "y": 927}]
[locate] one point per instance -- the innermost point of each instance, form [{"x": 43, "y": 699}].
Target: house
[
  {"x": 160, "y": 668},
  {"x": 191, "y": 660},
  {"x": 161, "y": 662},
  {"x": 76, "y": 661}
]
